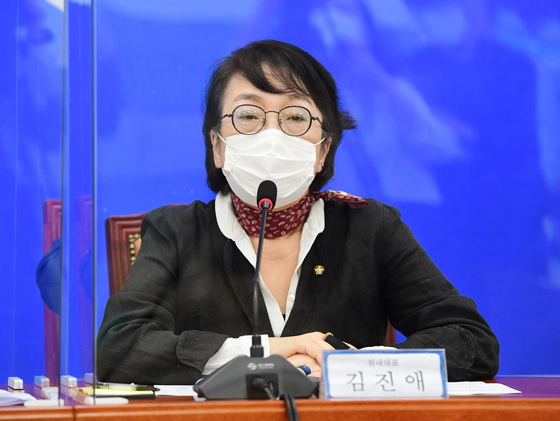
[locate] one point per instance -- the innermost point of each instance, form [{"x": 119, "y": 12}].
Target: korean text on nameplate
[{"x": 383, "y": 374}]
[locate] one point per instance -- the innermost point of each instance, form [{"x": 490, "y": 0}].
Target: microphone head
[{"x": 266, "y": 194}]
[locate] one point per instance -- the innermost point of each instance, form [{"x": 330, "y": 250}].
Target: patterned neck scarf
[{"x": 280, "y": 223}]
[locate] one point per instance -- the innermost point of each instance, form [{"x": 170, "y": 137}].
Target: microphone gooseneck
[
  {"x": 256, "y": 377},
  {"x": 266, "y": 198}
]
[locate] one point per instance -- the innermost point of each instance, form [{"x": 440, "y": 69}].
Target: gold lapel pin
[{"x": 318, "y": 270}]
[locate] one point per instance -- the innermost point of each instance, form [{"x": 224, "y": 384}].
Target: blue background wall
[{"x": 459, "y": 111}]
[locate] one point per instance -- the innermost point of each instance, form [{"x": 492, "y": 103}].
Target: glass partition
[
  {"x": 31, "y": 104},
  {"x": 46, "y": 148},
  {"x": 78, "y": 281}
]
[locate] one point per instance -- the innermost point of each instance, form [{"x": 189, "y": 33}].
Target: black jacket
[{"x": 190, "y": 289}]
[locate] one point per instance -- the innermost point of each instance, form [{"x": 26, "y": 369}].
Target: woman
[{"x": 331, "y": 262}]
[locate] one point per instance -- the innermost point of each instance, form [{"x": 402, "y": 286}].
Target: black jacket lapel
[
  {"x": 319, "y": 268},
  {"x": 240, "y": 274}
]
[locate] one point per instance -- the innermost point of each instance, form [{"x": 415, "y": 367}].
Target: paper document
[
  {"x": 478, "y": 388},
  {"x": 90, "y": 391},
  {"x": 11, "y": 398},
  {"x": 50, "y": 393},
  {"x": 175, "y": 390}
]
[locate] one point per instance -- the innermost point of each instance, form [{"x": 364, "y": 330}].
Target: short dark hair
[{"x": 297, "y": 71}]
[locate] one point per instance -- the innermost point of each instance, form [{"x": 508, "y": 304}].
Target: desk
[{"x": 540, "y": 400}]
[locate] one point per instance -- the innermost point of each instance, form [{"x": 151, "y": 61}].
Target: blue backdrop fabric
[{"x": 458, "y": 106}]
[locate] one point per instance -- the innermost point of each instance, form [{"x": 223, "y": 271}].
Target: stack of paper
[
  {"x": 11, "y": 398},
  {"x": 478, "y": 388}
]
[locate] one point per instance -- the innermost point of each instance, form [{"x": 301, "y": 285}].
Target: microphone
[
  {"x": 264, "y": 377},
  {"x": 266, "y": 195}
]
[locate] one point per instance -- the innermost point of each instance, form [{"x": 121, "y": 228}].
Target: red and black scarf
[{"x": 280, "y": 223}]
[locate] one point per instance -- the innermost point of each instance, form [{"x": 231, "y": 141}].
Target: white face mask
[{"x": 288, "y": 161}]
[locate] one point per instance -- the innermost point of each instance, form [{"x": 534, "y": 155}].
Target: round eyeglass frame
[{"x": 264, "y": 120}]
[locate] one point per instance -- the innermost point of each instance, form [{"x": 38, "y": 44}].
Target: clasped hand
[{"x": 306, "y": 349}]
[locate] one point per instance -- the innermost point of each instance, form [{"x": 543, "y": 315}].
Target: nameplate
[{"x": 384, "y": 374}]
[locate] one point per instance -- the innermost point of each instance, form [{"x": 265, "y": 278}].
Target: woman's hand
[
  {"x": 301, "y": 359},
  {"x": 310, "y": 344}
]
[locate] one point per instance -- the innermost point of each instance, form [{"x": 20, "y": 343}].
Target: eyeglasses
[{"x": 250, "y": 119}]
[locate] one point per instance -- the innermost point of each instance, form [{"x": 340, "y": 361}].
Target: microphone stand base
[{"x": 234, "y": 380}]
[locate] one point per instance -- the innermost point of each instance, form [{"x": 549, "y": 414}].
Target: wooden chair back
[
  {"x": 52, "y": 220},
  {"x": 123, "y": 243},
  {"x": 52, "y": 230}
]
